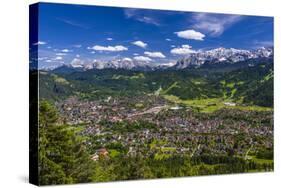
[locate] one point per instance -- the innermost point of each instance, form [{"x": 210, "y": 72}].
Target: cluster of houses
[{"x": 177, "y": 129}]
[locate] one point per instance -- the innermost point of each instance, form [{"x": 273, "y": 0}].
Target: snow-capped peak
[{"x": 217, "y": 55}]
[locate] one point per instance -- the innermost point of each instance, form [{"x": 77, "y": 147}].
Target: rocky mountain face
[
  {"x": 214, "y": 56},
  {"x": 222, "y": 55},
  {"x": 124, "y": 63}
]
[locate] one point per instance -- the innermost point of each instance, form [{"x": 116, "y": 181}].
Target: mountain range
[
  {"x": 222, "y": 56},
  {"x": 218, "y": 56}
]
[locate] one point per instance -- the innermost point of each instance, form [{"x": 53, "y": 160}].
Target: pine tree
[{"x": 62, "y": 156}]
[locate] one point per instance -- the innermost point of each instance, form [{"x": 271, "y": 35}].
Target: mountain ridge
[{"x": 217, "y": 56}]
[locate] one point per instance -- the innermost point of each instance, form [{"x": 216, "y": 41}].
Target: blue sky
[{"x": 93, "y": 33}]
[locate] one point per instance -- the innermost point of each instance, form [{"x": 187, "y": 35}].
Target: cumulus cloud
[
  {"x": 214, "y": 24},
  {"x": 140, "y": 44},
  {"x": 58, "y": 58},
  {"x": 183, "y": 50},
  {"x": 116, "y": 48},
  {"x": 155, "y": 54},
  {"x": 77, "y": 63},
  {"x": 65, "y": 50},
  {"x": 39, "y": 43},
  {"x": 109, "y": 39},
  {"x": 142, "y": 58},
  {"x": 190, "y": 34},
  {"x": 168, "y": 39}
]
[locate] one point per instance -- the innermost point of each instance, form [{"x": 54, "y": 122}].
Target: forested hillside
[{"x": 251, "y": 85}]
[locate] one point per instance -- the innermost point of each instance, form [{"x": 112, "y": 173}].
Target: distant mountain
[
  {"x": 66, "y": 69},
  {"x": 222, "y": 56},
  {"x": 125, "y": 63},
  {"x": 210, "y": 58}
]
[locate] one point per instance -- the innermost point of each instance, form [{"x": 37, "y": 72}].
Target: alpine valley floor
[{"x": 116, "y": 124}]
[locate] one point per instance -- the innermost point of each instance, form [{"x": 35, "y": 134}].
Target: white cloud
[
  {"x": 135, "y": 54},
  {"x": 147, "y": 17},
  {"x": 77, "y": 63},
  {"x": 190, "y": 34},
  {"x": 58, "y": 58},
  {"x": 42, "y": 58},
  {"x": 127, "y": 59},
  {"x": 116, "y": 48},
  {"x": 48, "y": 61},
  {"x": 39, "y": 43},
  {"x": 65, "y": 50},
  {"x": 169, "y": 64},
  {"x": 186, "y": 46},
  {"x": 61, "y": 54},
  {"x": 109, "y": 39},
  {"x": 214, "y": 24},
  {"x": 148, "y": 20},
  {"x": 183, "y": 50},
  {"x": 155, "y": 54},
  {"x": 140, "y": 44},
  {"x": 142, "y": 58},
  {"x": 77, "y": 55},
  {"x": 168, "y": 39}
]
